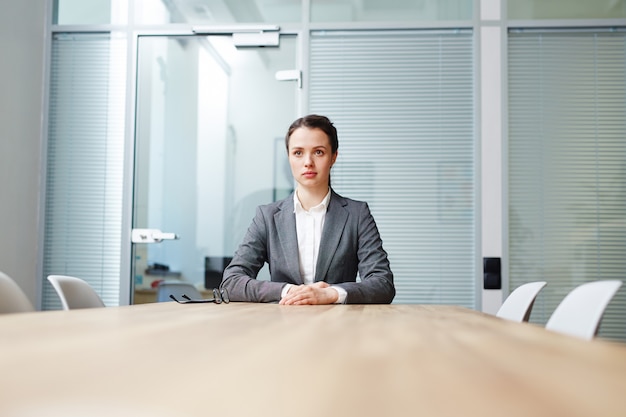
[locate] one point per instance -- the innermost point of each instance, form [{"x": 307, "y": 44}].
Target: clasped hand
[{"x": 317, "y": 293}]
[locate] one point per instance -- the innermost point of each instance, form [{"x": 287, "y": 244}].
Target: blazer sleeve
[
  {"x": 376, "y": 285},
  {"x": 239, "y": 277}
]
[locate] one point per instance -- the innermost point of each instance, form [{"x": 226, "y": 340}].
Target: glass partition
[
  {"x": 566, "y": 9},
  {"x": 218, "y": 12},
  {"x": 221, "y": 12},
  {"x": 84, "y": 167},
  {"x": 209, "y": 118},
  {"x": 567, "y": 159},
  {"x": 92, "y": 12},
  {"x": 402, "y": 102},
  {"x": 390, "y": 11}
]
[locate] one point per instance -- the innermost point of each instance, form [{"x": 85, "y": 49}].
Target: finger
[
  {"x": 290, "y": 298},
  {"x": 300, "y": 299}
]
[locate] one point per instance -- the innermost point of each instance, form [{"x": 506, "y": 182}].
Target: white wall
[{"x": 22, "y": 28}]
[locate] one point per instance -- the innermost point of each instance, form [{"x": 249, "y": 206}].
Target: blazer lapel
[
  {"x": 336, "y": 218},
  {"x": 285, "y": 221}
]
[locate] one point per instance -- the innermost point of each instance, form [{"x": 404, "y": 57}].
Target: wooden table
[{"x": 241, "y": 359}]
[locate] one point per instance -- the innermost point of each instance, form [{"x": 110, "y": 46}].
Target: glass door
[{"x": 209, "y": 148}]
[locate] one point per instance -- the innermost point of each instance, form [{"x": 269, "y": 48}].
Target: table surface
[{"x": 241, "y": 359}]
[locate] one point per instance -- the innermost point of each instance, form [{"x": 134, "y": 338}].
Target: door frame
[{"x": 126, "y": 248}]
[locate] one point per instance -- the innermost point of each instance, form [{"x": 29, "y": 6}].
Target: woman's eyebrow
[{"x": 298, "y": 148}]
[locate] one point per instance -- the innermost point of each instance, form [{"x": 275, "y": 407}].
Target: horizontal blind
[
  {"x": 567, "y": 165},
  {"x": 83, "y": 212},
  {"x": 402, "y": 102}
]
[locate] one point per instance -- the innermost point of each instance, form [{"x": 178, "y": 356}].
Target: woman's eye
[{"x": 319, "y": 152}]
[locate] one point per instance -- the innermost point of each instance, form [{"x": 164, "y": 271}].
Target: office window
[
  {"x": 567, "y": 165},
  {"x": 83, "y": 205},
  {"x": 402, "y": 102}
]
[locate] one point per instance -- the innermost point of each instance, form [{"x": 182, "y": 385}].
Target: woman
[{"x": 315, "y": 241}]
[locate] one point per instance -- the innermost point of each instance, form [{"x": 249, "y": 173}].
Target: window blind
[
  {"x": 567, "y": 165},
  {"x": 402, "y": 102},
  {"x": 83, "y": 204}
]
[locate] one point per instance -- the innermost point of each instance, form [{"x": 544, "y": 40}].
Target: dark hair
[{"x": 315, "y": 121}]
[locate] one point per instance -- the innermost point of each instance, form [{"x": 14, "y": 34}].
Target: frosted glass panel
[
  {"x": 403, "y": 105},
  {"x": 390, "y": 11},
  {"x": 567, "y": 201},
  {"x": 566, "y": 9},
  {"x": 85, "y": 163},
  {"x": 206, "y": 12},
  {"x": 92, "y": 12}
]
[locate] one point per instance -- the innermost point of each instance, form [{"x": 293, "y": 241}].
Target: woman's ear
[{"x": 334, "y": 158}]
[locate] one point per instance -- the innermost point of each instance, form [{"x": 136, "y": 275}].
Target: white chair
[
  {"x": 580, "y": 312},
  {"x": 177, "y": 289},
  {"x": 75, "y": 293},
  {"x": 519, "y": 303},
  {"x": 12, "y": 298}
]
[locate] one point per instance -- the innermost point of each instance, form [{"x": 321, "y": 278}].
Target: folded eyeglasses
[{"x": 219, "y": 296}]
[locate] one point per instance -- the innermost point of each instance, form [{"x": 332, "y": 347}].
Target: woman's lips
[{"x": 309, "y": 174}]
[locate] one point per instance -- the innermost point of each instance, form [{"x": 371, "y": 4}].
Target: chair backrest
[
  {"x": 519, "y": 303},
  {"x": 12, "y": 298},
  {"x": 75, "y": 293},
  {"x": 580, "y": 312},
  {"x": 177, "y": 289}
]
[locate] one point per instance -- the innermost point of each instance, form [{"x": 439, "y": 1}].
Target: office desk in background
[{"x": 242, "y": 359}]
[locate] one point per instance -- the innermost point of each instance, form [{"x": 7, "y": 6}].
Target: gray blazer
[{"x": 350, "y": 243}]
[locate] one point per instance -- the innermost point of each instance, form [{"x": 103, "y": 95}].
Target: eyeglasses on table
[{"x": 219, "y": 296}]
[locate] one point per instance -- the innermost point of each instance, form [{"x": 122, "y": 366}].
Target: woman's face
[{"x": 310, "y": 157}]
